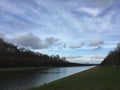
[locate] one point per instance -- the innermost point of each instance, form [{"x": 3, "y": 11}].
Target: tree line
[
  {"x": 113, "y": 58},
  {"x": 12, "y": 56}
]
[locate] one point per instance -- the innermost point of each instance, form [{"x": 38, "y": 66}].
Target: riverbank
[
  {"x": 98, "y": 78},
  {"x": 26, "y": 79},
  {"x": 30, "y": 68},
  {"x": 22, "y": 68}
]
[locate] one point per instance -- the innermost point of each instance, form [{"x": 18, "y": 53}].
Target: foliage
[
  {"x": 113, "y": 59},
  {"x": 12, "y": 56}
]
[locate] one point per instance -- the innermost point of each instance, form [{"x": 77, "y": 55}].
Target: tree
[
  {"x": 118, "y": 48},
  {"x": 113, "y": 58},
  {"x": 12, "y": 56}
]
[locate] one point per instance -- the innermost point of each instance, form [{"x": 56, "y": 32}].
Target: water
[{"x": 21, "y": 80}]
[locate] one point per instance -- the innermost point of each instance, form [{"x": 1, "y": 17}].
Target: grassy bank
[
  {"x": 22, "y": 68},
  {"x": 99, "y": 78}
]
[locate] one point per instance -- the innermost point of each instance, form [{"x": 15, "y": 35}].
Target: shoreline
[
  {"x": 91, "y": 79},
  {"x": 64, "y": 77},
  {"x": 30, "y": 68},
  {"x": 43, "y": 77},
  {"x": 22, "y": 69}
]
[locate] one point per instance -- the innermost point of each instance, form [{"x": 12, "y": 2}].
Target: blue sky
[{"x": 77, "y": 29}]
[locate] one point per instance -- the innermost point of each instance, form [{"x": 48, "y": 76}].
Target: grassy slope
[
  {"x": 22, "y": 68},
  {"x": 99, "y": 78}
]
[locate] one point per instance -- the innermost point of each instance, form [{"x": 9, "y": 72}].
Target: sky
[{"x": 83, "y": 31}]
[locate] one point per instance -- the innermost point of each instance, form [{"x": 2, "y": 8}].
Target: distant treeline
[
  {"x": 12, "y": 56},
  {"x": 113, "y": 58}
]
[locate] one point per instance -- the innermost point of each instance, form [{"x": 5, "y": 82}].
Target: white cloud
[
  {"x": 76, "y": 46},
  {"x": 96, "y": 43},
  {"x": 49, "y": 42},
  {"x": 86, "y": 58},
  {"x": 92, "y": 11},
  {"x": 97, "y": 48},
  {"x": 34, "y": 42}
]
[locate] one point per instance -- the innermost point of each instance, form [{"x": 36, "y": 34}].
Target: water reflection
[{"x": 21, "y": 80}]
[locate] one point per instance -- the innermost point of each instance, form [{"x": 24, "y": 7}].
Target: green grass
[
  {"x": 22, "y": 68},
  {"x": 98, "y": 78}
]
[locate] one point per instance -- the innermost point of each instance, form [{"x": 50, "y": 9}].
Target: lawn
[{"x": 98, "y": 78}]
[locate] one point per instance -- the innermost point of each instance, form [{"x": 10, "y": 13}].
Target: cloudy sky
[{"x": 82, "y": 30}]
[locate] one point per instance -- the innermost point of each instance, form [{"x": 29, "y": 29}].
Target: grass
[
  {"x": 22, "y": 68},
  {"x": 98, "y": 78}
]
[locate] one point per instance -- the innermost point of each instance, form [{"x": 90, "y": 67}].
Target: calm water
[{"x": 21, "y": 80}]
